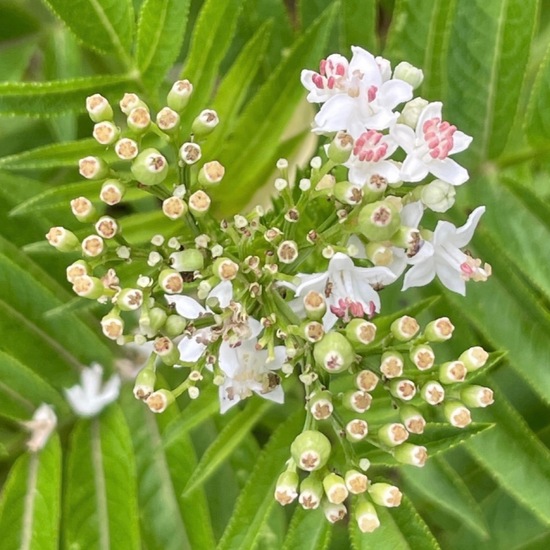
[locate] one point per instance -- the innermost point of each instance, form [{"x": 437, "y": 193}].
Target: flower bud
[
  {"x": 159, "y": 400},
  {"x": 405, "y": 328},
  {"x": 187, "y": 260},
  {"x": 415, "y": 455},
  {"x": 106, "y": 227},
  {"x": 98, "y": 108},
  {"x": 320, "y": 405},
  {"x": 83, "y": 209},
  {"x": 452, "y": 372},
  {"x": 378, "y": 221},
  {"x": 402, "y": 389},
  {"x": 174, "y": 326},
  {"x": 335, "y": 488},
  {"x": 334, "y": 512},
  {"x": 93, "y": 246},
  {"x": 340, "y": 148},
  {"x": 310, "y": 450},
  {"x": 170, "y": 281},
  {"x": 166, "y": 350},
  {"x": 144, "y": 385},
  {"x": 211, "y": 173},
  {"x": 174, "y": 208},
  {"x": 129, "y": 299},
  {"x": 88, "y": 287},
  {"x": 311, "y": 493},
  {"x": 385, "y": 494},
  {"x": 406, "y": 72},
  {"x": 476, "y": 396},
  {"x": 366, "y": 516},
  {"x": 130, "y": 102},
  {"x": 411, "y": 112},
  {"x": 422, "y": 356},
  {"x": 439, "y": 330},
  {"x": 379, "y": 254},
  {"x": 105, "y": 133},
  {"x": 412, "y": 419},
  {"x": 199, "y": 203},
  {"x": 205, "y": 123},
  {"x": 333, "y": 353},
  {"x": 438, "y": 195},
  {"x": 92, "y": 168},
  {"x": 286, "y": 488},
  {"x": 168, "y": 120},
  {"x": 112, "y": 325},
  {"x": 393, "y": 434},
  {"x": 474, "y": 358},
  {"x": 77, "y": 269},
  {"x": 190, "y": 152},
  {"x": 225, "y": 269},
  {"x": 432, "y": 392},
  {"x": 152, "y": 319},
  {"x": 287, "y": 252},
  {"x": 178, "y": 96},
  {"x": 126, "y": 149},
  {"x": 150, "y": 167},
  {"x": 457, "y": 414},
  {"x": 357, "y": 400},
  {"x": 313, "y": 331},
  {"x": 348, "y": 193},
  {"x": 356, "y": 482},
  {"x": 357, "y": 429},
  {"x": 315, "y": 305},
  {"x": 63, "y": 239},
  {"x": 366, "y": 380},
  {"x": 391, "y": 365}
]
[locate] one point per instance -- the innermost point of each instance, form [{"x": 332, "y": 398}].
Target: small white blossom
[
  {"x": 92, "y": 396},
  {"x": 41, "y": 426}
]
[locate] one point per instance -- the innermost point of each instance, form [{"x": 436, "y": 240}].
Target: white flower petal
[
  {"x": 413, "y": 169},
  {"x": 276, "y": 395},
  {"x": 190, "y": 350},
  {"x": 449, "y": 171},
  {"x": 461, "y": 141},
  {"x": 223, "y": 293},
  {"x": 432, "y": 110},
  {"x": 465, "y": 233},
  {"x": 363, "y": 62},
  {"x": 412, "y": 214},
  {"x": 404, "y": 136},
  {"x": 394, "y": 92},
  {"x": 186, "y": 306},
  {"x": 450, "y": 278},
  {"x": 280, "y": 358},
  {"x": 420, "y": 274},
  {"x": 225, "y": 402},
  {"x": 335, "y": 114}
]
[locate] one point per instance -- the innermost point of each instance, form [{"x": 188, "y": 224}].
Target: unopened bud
[
  {"x": 423, "y": 357},
  {"x": 311, "y": 493},
  {"x": 412, "y": 419},
  {"x": 391, "y": 365},
  {"x": 199, "y": 203},
  {"x": 106, "y": 227},
  {"x": 320, "y": 405},
  {"x": 310, "y": 450},
  {"x": 366, "y": 380},
  {"x": 402, "y": 389},
  {"x": 159, "y": 400},
  {"x": 170, "y": 281},
  {"x": 174, "y": 326},
  {"x": 98, "y": 108},
  {"x": 168, "y": 120},
  {"x": 393, "y": 434},
  {"x": 411, "y": 112},
  {"x": 476, "y": 396},
  {"x": 405, "y": 328},
  {"x": 335, "y": 488},
  {"x": 340, "y": 148},
  {"x": 93, "y": 246},
  {"x": 126, "y": 149},
  {"x": 438, "y": 195},
  {"x": 379, "y": 254},
  {"x": 105, "y": 133},
  {"x": 366, "y": 516},
  {"x": 211, "y": 173},
  {"x": 187, "y": 260},
  {"x": 474, "y": 358},
  {"x": 190, "y": 152},
  {"x": 439, "y": 330},
  {"x": 150, "y": 167},
  {"x": 286, "y": 488},
  {"x": 385, "y": 494},
  {"x": 112, "y": 192},
  {"x": 378, "y": 221},
  {"x": 174, "y": 208},
  {"x": 433, "y": 393},
  {"x": 452, "y": 372},
  {"x": 92, "y": 168},
  {"x": 205, "y": 123},
  {"x": 406, "y": 72},
  {"x": 334, "y": 353},
  {"x": 357, "y": 429},
  {"x": 178, "y": 96},
  {"x": 457, "y": 414}
]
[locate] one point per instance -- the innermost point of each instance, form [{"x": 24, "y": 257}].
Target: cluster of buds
[{"x": 255, "y": 301}]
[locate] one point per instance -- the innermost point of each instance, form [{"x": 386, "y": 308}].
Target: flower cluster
[{"x": 291, "y": 296}]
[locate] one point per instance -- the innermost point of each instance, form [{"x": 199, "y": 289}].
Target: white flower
[
  {"x": 446, "y": 260},
  {"x": 344, "y": 281},
  {"x": 368, "y": 160},
  {"x": 247, "y": 370},
  {"x": 356, "y": 96},
  {"x": 428, "y": 148},
  {"x": 41, "y": 426},
  {"x": 91, "y": 396}
]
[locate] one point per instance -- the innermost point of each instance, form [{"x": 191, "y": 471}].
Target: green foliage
[{"x": 171, "y": 475}]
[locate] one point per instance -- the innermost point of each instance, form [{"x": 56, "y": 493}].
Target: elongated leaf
[
  {"x": 267, "y": 115},
  {"x": 101, "y": 502},
  {"x": 488, "y": 53},
  {"x": 160, "y": 33},
  {"x": 358, "y": 25},
  {"x": 212, "y": 35},
  {"x": 537, "y": 121},
  {"x": 46, "y": 99},
  {"x": 227, "y": 442},
  {"x": 104, "y": 25},
  {"x": 256, "y": 499},
  {"x": 23, "y": 390},
  {"x": 29, "y": 509},
  {"x": 515, "y": 457},
  {"x": 309, "y": 530},
  {"x": 401, "y": 528},
  {"x": 439, "y": 484}
]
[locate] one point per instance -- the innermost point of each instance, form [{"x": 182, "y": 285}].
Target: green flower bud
[
  {"x": 333, "y": 353},
  {"x": 178, "y": 96},
  {"x": 402, "y": 389},
  {"x": 105, "y": 133},
  {"x": 476, "y": 396},
  {"x": 312, "y": 331},
  {"x": 356, "y": 482},
  {"x": 334, "y": 512},
  {"x": 366, "y": 516},
  {"x": 286, "y": 488},
  {"x": 366, "y": 380},
  {"x": 357, "y": 400},
  {"x": 379, "y": 254},
  {"x": 166, "y": 350},
  {"x": 159, "y": 400},
  {"x": 335, "y": 488},
  {"x": 320, "y": 405},
  {"x": 391, "y": 365},
  {"x": 205, "y": 123},
  {"x": 63, "y": 239},
  {"x": 187, "y": 260},
  {"x": 474, "y": 358},
  {"x": 310, "y": 450},
  {"x": 348, "y": 193},
  {"x": 415, "y": 455},
  {"x": 129, "y": 299},
  {"x": 315, "y": 305},
  {"x": 88, "y": 287},
  {"x": 356, "y": 429},
  {"x": 211, "y": 173},
  {"x": 93, "y": 168},
  {"x": 170, "y": 281},
  {"x": 155, "y": 318},
  {"x": 112, "y": 325},
  {"x": 98, "y": 108},
  {"x": 439, "y": 330},
  {"x": 457, "y": 414},
  {"x": 412, "y": 419},
  {"x": 106, "y": 227},
  {"x": 452, "y": 372},
  {"x": 406, "y": 72},
  {"x": 77, "y": 269},
  {"x": 393, "y": 434},
  {"x": 150, "y": 167},
  {"x": 174, "y": 208},
  {"x": 385, "y": 494},
  {"x": 378, "y": 221},
  {"x": 438, "y": 195},
  {"x": 168, "y": 120},
  {"x": 199, "y": 203},
  {"x": 144, "y": 385},
  {"x": 130, "y": 102},
  {"x": 423, "y": 357},
  {"x": 311, "y": 493},
  {"x": 360, "y": 332},
  {"x": 174, "y": 326},
  {"x": 83, "y": 210},
  {"x": 405, "y": 328},
  {"x": 411, "y": 111},
  {"x": 340, "y": 148}
]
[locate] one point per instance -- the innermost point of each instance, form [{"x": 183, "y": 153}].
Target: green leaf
[
  {"x": 46, "y": 99},
  {"x": 401, "y": 528},
  {"x": 103, "y": 25},
  {"x": 358, "y": 20},
  {"x": 537, "y": 121},
  {"x": 308, "y": 530},
  {"x": 440, "y": 485},
  {"x": 161, "y": 28},
  {"x": 29, "y": 509},
  {"x": 227, "y": 442},
  {"x": 488, "y": 54},
  {"x": 256, "y": 499},
  {"x": 513, "y": 455},
  {"x": 101, "y": 503},
  {"x": 22, "y": 390},
  {"x": 262, "y": 124},
  {"x": 212, "y": 36}
]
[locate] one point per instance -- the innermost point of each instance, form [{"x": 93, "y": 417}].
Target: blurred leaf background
[{"x": 193, "y": 479}]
